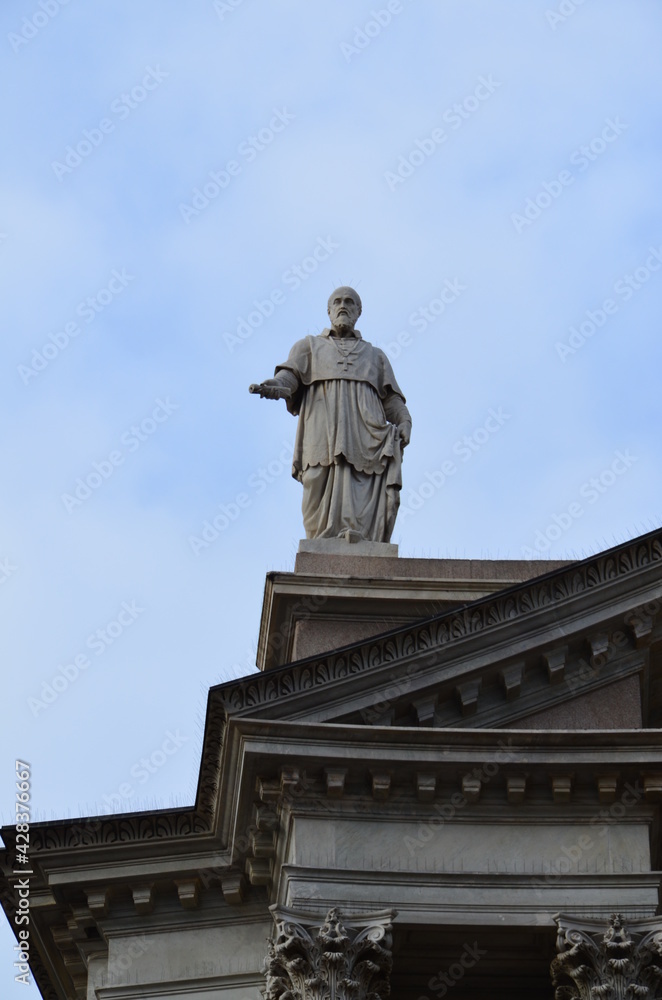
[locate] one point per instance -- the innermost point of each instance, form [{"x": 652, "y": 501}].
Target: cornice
[
  {"x": 551, "y": 594},
  {"x": 389, "y": 763},
  {"x": 146, "y": 827}
]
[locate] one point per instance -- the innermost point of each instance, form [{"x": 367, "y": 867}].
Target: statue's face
[{"x": 344, "y": 309}]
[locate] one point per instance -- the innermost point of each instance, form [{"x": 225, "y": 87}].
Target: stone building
[{"x": 443, "y": 771}]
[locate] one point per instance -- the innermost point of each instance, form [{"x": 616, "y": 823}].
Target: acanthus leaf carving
[
  {"x": 618, "y": 960},
  {"x": 375, "y": 656},
  {"x": 307, "y": 680},
  {"x": 329, "y": 959},
  {"x": 357, "y": 661},
  {"x": 391, "y": 651}
]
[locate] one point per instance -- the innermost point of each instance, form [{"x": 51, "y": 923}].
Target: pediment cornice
[{"x": 545, "y": 610}]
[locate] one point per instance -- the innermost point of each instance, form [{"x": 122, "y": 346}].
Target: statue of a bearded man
[{"x": 353, "y": 427}]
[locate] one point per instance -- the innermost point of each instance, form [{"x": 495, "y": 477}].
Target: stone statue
[{"x": 353, "y": 426}]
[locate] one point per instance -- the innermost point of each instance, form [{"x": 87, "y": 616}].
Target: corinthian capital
[
  {"x": 333, "y": 959},
  {"x": 607, "y": 960}
]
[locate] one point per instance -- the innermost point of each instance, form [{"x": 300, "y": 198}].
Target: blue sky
[{"x": 183, "y": 185}]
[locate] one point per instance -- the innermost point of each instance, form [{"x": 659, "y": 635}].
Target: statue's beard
[{"x": 343, "y": 324}]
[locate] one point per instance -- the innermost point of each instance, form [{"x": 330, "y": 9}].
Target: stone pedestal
[
  {"x": 342, "y": 593},
  {"x": 347, "y": 547}
]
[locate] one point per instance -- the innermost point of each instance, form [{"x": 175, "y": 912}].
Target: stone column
[
  {"x": 608, "y": 960},
  {"x": 332, "y": 959}
]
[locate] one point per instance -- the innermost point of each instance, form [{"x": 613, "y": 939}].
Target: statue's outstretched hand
[
  {"x": 405, "y": 434},
  {"x": 271, "y": 388}
]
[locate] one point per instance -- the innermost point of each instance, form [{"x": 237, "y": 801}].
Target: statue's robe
[{"x": 347, "y": 452}]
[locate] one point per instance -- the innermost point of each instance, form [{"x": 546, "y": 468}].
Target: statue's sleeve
[
  {"x": 286, "y": 378},
  {"x": 387, "y": 378},
  {"x": 395, "y": 410},
  {"x": 394, "y": 403},
  {"x": 295, "y": 373}
]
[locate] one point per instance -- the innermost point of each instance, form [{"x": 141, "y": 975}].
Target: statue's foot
[{"x": 350, "y": 535}]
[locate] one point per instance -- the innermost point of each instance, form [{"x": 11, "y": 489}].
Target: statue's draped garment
[{"x": 347, "y": 452}]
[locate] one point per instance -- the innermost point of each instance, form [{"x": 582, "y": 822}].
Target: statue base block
[
  {"x": 340, "y": 593},
  {"x": 347, "y": 547}
]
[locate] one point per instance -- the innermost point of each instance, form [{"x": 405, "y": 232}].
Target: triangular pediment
[{"x": 574, "y": 648}]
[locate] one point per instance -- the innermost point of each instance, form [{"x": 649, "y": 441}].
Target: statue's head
[{"x": 344, "y": 308}]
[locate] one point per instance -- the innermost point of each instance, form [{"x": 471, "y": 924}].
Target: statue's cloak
[{"x": 318, "y": 359}]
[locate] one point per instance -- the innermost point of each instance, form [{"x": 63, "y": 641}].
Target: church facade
[{"x": 446, "y": 779}]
